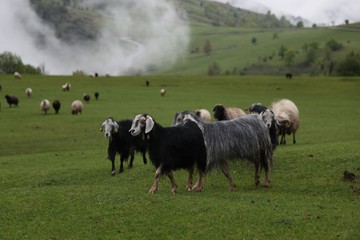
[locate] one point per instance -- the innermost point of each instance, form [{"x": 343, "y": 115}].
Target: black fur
[
  {"x": 12, "y": 100},
  {"x": 123, "y": 143},
  {"x": 56, "y": 105}
]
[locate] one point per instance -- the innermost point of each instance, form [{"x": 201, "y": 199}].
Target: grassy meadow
[{"x": 55, "y": 180}]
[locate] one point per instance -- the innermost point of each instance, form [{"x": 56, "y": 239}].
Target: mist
[{"x": 136, "y": 35}]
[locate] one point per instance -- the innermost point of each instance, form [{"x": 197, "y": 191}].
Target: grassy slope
[
  {"x": 55, "y": 182},
  {"x": 232, "y": 47}
]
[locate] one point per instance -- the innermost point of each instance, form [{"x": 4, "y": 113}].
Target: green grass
[
  {"x": 232, "y": 49},
  {"x": 55, "y": 180}
]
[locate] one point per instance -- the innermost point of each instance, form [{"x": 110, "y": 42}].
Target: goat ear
[
  {"x": 116, "y": 127},
  {"x": 149, "y": 124}
]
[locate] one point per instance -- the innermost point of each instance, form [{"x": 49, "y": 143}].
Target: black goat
[
  {"x": 122, "y": 142},
  {"x": 12, "y": 100},
  {"x": 173, "y": 148},
  {"x": 56, "y": 105}
]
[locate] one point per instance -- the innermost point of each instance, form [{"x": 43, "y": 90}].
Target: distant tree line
[{"x": 10, "y": 63}]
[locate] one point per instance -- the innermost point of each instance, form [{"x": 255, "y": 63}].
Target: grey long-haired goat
[
  {"x": 173, "y": 148},
  {"x": 240, "y": 138},
  {"x": 121, "y": 142}
]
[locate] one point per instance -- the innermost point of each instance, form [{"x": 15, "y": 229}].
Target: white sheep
[
  {"x": 45, "y": 105},
  {"x": 66, "y": 86},
  {"x": 162, "y": 92},
  {"x": 287, "y": 118},
  {"x": 28, "y": 92},
  {"x": 221, "y": 113},
  {"x": 204, "y": 114},
  {"x": 77, "y": 107},
  {"x": 17, "y": 75}
]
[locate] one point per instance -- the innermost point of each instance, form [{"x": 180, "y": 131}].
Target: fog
[
  {"x": 136, "y": 35},
  {"x": 321, "y": 12}
]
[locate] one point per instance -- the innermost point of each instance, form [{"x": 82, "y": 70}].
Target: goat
[
  {"x": 241, "y": 138},
  {"x": 122, "y": 142},
  {"x": 173, "y": 148}
]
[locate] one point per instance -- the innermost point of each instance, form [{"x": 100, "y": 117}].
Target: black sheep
[
  {"x": 96, "y": 95},
  {"x": 122, "y": 142},
  {"x": 257, "y": 108},
  {"x": 12, "y": 100},
  {"x": 86, "y": 97},
  {"x": 173, "y": 148},
  {"x": 56, "y": 105}
]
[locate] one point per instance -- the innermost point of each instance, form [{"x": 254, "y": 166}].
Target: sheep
[
  {"x": 45, "y": 105},
  {"x": 28, "y": 92},
  {"x": 76, "y": 107},
  {"x": 12, "y": 100},
  {"x": 66, "y": 87},
  {"x": 96, "y": 94},
  {"x": 56, "y": 105},
  {"x": 162, "y": 92},
  {"x": 86, "y": 97},
  {"x": 203, "y": 114},
  {"x": 173, "y": 148},
  {"x": 147, "y": 83},
  {"x": 288, "y": 75},
  {"x": 122, "y": 142},
  {"x": 287, "y": 118},
  {"x": 221, "y": 113},
  {"x": 241, "y": 138},
  {"x": 17, "y": 75},
  {"x": 256, "y": 108}
]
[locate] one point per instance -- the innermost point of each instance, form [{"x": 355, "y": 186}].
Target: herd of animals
[{"x": 194, "y": 141}]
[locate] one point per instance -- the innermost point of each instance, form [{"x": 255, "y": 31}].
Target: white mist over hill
[
  {"x": 320, "y": 12},
  {"x": 136, "y": 35}
]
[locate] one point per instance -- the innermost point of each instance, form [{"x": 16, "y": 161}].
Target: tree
[
  {"x": 333, "y": 45},
  {"x": 289, "y": 57},
  {"x": 350, "y": 66},
  {"x": 10, "y": 63},
  {"x": 300, "y": 24},
  {"x": 282, "y": 51},
  {"x": 207, "y": 47},
  {"x": 214, "y": 69}
]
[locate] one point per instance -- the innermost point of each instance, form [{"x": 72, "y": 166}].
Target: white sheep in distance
[
  {"x": 204, "y": 114},
  {"x": 28, "y": 92},
  {"x": 162, "y": 92},
  {"x": 45, "y": 105},
  {"x": 76, "y": 107},
  {"x": 221, "y": 113},
  {"x": 17, "y": 75},
  {"x": 287, "y": 118},
  {"x": 66, "y": 86}
]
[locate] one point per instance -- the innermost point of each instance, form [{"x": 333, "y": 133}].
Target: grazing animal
[
  {"x": 12, "y": 100},
  {"x": 268, "y": 116},
  {"x": 28, "y": 92},
  {"x": 17, "y": 75},
  {"x": 221, "y": 113},
  {"x": 162, "y": 92},
  {"x": 173, "y": 148},
  {"x": 257, "y": 108},
  {"x": 240, "y": 138},
  {"x": 288, "y": 75},
  {"x": 45, "y": 105},
  {"x": 77, "y": 107},
  {"x": 86, "y": 97},
  {"x": 66, "y": 87},
  {"x": 203, "y": 114},
  {"x": 147, "y": 83},
  {"x": 122, "y": 142},
  {"x": 0, "y": 87},
  {"x": 287, "y": 118},
  {"x": 56, "y": 105},
  {"x": 96, "y": 94}
]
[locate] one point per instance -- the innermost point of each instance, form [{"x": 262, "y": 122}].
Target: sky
[{"x": 327, "y": 12}]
